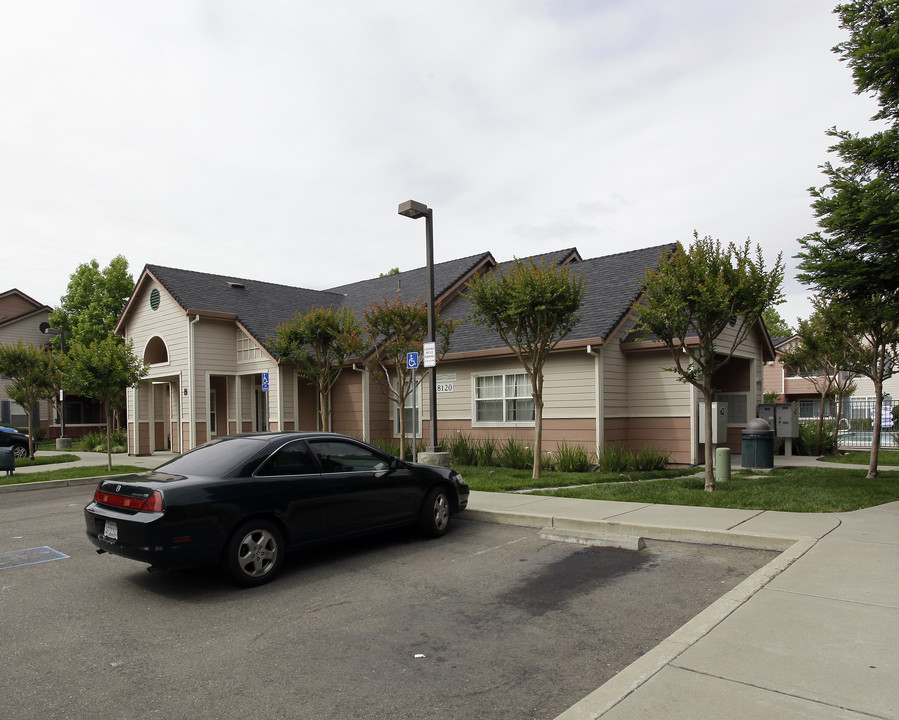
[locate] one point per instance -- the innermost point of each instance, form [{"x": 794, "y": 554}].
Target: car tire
[
  {"x": 434, "y": 515},
  {"x": 254, "y": 553},
  {"x": 20, "y": 451}
]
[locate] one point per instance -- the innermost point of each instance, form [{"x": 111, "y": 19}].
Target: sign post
[{"x": 412, "y": 363}]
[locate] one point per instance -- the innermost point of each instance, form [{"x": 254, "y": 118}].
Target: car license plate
[{"x": 111, "y": 531}]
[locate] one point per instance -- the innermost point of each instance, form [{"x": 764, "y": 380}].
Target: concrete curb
[{"x": 575, "y": 526}]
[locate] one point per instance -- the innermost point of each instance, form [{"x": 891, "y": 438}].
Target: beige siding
[
  {"x": 652, "y": 390},
  {"x": 569, "y": 386},
  {"x": 168, "y": 322},
  {"x": 28, "y": 330}
]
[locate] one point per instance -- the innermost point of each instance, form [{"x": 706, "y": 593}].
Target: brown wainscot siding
[{"x": 665, "y": 434}]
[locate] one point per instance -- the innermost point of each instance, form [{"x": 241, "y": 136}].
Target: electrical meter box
[
  {"x": 719, "y": 422},
  {"x": 786, "y": 420}
]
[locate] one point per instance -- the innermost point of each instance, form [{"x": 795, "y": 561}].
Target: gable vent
[{"x": 236, "y": 285}]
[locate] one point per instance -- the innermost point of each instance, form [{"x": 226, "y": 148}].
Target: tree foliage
[
  {"x": 101, "y": 370},
  {"x": 824, "y": 355},
  {"x": 851, "y": 260},
  {"x": 777, "y": 327},
  {"x": 531, "y": 308},
  {"x": 696, "y": 295},
  {"x": 94, "y": 300},
  {"x": 396, "y": 328},
  {"x": 319, "y": 343},
  {"x": 872, "y": 51},
  {"x": 34, "y": 377}
]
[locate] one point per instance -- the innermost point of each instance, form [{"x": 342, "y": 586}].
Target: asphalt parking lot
[{"x": 488, "y": 622}]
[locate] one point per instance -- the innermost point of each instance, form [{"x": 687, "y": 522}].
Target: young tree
[
  {"x": 532, "y": 308},
  {"x": 693, "y": 297},
  {"x": 397, "y": 328},
  {"x": 851, "y": 261},
  {"x": 319, "y": 343},
  {"x": 823, "y": 356},
  {"x": 34, "y": 375},
  {"x": 101, "y": 370}
]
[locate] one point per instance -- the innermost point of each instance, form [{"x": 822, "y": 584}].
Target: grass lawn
[
  {"x": 40, "y": 459},
  {"x": 66, "y": 473},
  {"x": 789, "y": 490}
]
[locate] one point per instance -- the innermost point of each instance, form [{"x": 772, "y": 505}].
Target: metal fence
[{"x": 856, "y": 430}]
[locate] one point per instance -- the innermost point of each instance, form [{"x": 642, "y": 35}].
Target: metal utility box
[
  {"x": 786, "y": 420},
  {"x": 765, "y": 411},
  {"x": 719, "y": 422},
  {"x": 7, "y": 461}
]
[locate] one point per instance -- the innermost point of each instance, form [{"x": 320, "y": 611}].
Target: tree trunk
[
  {"x": 324, "y": 410},
  {"x": 821, "y": 424},
  {"x": 537, "y": 392},
  {"x": 875, "y": 435},
  {"x": 30, "y": 416},
  {"x": 708, "y": 393}
]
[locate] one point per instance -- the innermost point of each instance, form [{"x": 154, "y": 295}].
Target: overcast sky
[{"x": 273, "y": 140}]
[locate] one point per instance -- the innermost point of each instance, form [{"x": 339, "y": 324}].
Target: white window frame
[{"x": 505, "y": 397}]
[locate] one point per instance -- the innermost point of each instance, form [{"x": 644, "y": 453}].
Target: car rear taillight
[{"x": 153, "y": 503}]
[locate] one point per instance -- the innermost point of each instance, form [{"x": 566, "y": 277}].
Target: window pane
[
  {"x": 490, "y": 386},
  {"x": 519, "y": 410},
  {"x": 489, "y": 411},
  {"x": 337, "y": 456},
  {"x": 517, "y": 386},
  {"x": 293, "y": 459}
]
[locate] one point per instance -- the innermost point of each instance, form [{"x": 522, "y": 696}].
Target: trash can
[
  {"x": 758, "y": 445},
  {"x": 7, "y": 461}
]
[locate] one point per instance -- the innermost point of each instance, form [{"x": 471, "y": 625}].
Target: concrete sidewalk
[{"x": 814, "y": 634}]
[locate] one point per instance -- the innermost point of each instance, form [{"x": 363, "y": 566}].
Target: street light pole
[
  {"x": 47, "y": 330},
  {"x": 415, "y": 210}
]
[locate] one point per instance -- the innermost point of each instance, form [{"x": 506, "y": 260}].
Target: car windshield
[{"x": 215, "y": 458}]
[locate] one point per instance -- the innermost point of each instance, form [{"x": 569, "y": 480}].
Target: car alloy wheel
[
  {"x": 254, "y": 553},
  {"x": 433, "y": 518}
]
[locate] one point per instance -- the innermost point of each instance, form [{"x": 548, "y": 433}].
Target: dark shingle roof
[
  {"x": 612, "y": 284},
  {"x": 259, "y": 306},
  {"x": 410, "y": 285}
]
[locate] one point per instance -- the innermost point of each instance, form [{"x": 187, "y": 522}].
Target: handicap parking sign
[{"x": 412, "y": 360}]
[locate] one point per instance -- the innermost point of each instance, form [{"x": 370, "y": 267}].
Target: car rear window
[{"x": 216, "y": 458}]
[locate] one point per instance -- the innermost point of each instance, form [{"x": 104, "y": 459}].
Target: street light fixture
[{"x": 416, "y": 210}]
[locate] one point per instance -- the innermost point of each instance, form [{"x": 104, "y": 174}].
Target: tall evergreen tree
[{"x": 851, "y": 261}]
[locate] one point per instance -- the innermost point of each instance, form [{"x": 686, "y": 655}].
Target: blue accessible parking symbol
[{"x": 412, "y": 360}]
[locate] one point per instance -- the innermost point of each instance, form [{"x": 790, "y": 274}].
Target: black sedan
[{"x": 242, "y": 501}]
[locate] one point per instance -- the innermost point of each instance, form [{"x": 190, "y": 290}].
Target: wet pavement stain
[{"x": 575, "y": 575}]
